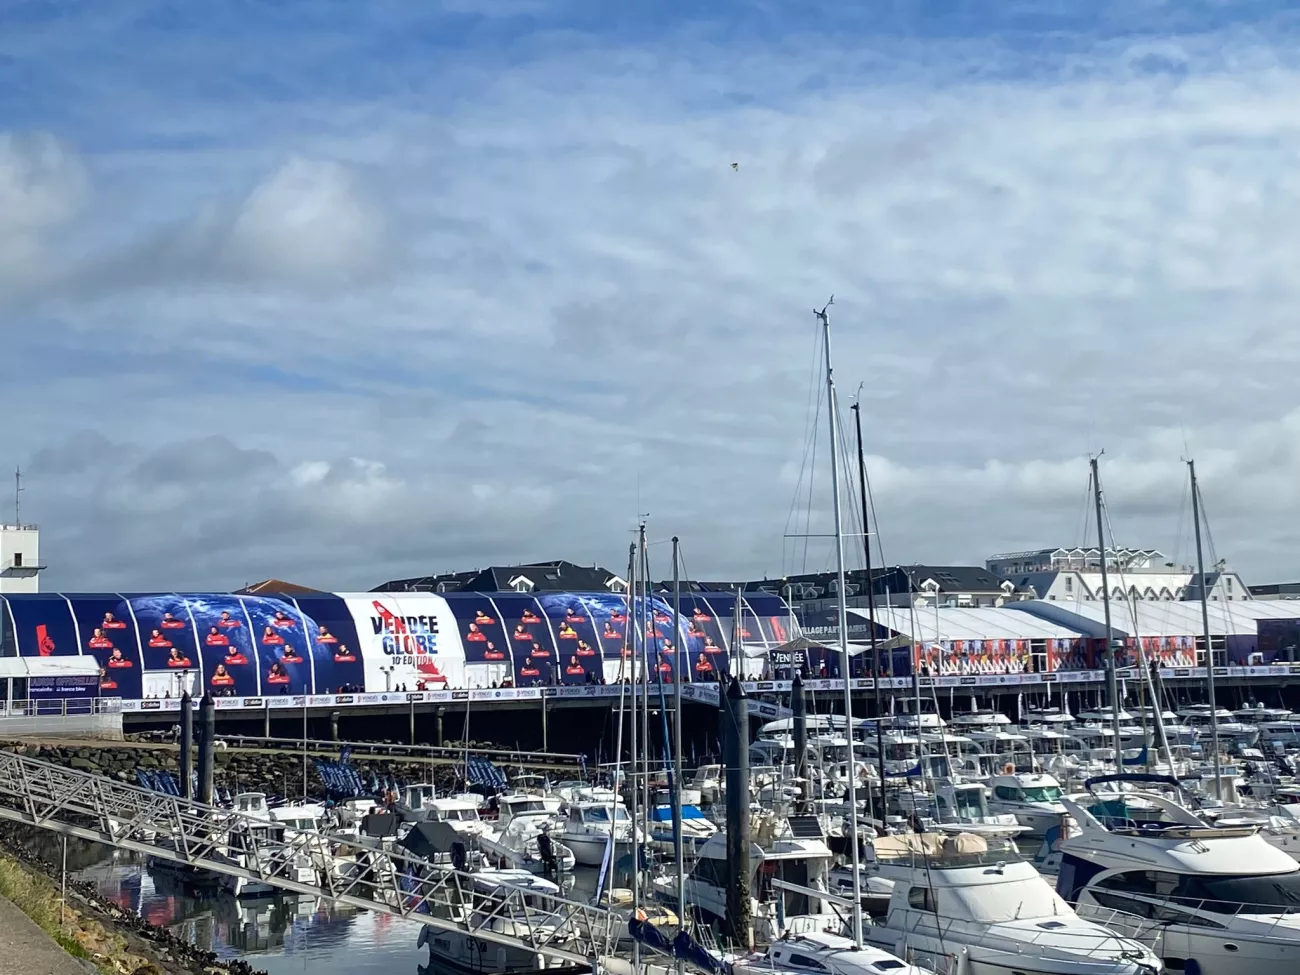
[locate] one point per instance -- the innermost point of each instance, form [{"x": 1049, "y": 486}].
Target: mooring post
[
  {"x": 735, "y": 757},
  {"x": 187, "y": 746},
  {"x": 799, "y": 713},
  {"x": 207, "y": 747}
]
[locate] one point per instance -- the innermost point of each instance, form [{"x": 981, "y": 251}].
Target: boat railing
[
  {"x": 1169, "y": 909},
  {"x": 1098, "y": 942}
]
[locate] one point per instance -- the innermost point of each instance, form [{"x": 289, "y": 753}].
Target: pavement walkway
[{"x": 27, "y": 950}]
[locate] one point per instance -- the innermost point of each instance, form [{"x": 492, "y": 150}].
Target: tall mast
[
  {"x": 843, "y": 613},
  {"x": 18, "y": 490},
  {"x": 1205, "y": 628},
  {"x": 632, "y": 625},
  {"x": 1112, "y": 682},
  {"x": 677, "y": 744},
  {"x": 871, "y": 612},
  {"x": 649, "y": 639}
]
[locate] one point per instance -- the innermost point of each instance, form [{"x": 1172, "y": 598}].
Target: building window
[
  {"x": 1069, "y": 584},
  {"x": 18, "y": 560}
]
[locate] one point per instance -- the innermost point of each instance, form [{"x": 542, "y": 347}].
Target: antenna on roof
[{"x": 18, "y": 490}]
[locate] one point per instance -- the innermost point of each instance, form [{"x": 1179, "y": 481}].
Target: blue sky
[{"x": 392, "y": 287}]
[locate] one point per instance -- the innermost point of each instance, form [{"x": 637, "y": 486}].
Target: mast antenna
[{"x": 18, "y": 490}]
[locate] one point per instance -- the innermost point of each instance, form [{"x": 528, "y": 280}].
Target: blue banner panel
[
  {"x": 43, "y": 625},
  {"x": 167, "y": 639},
  {"x": 223, "y": 639},
  {"x": 336, "y": 647},
  {"x": 577, "y": 624},
  {"x": 108, "y": 632},
  {"x": 532, "y": 640},
  {"x": 769, "y": 618},
  {"x": 482, "y": 630},
  {"x": 283, "y": 637}
]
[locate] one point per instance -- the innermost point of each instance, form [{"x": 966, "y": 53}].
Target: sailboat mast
[
  {"x": 871, "y": 614},
  {"x": 1112, "y": 679},
  {"x": 1205, "y": 628},
  {"x": 843, "y": 617},
  {"x": 651, "y": 639},
  {"x": 677, "y": 742},
  {"x": 633, "y": 625}
]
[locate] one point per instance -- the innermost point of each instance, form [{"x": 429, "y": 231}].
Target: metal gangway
[{"x": 91, "y": 807}]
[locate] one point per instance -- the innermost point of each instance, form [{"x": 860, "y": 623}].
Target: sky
[{"x": 346, "y": 292}]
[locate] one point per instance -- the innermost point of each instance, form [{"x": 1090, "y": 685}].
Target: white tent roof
[
  {"x": 1166, "y": 618},
  {"x": 928, "y": 624},
  {"x": 48, "y": 666}
]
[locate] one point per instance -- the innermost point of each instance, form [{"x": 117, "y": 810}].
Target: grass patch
[{"x": 36, "y": 896}]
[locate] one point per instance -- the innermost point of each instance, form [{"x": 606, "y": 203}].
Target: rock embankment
[{"x": 237, "y": 770}]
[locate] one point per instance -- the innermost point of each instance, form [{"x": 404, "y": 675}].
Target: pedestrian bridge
[{"x": 90, "y": 807}]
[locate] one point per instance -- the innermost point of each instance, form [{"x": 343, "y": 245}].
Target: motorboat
[
  {"x": 696, "y": 828},
  {"x": 707, "y": 780},
  {"x": 593, "y": 823},
  {"x": 1033, "y": 798},
  {"x": 522, "y": 928},
  {"x": 459, "y": 812},
  {"x": 1219, "y": 900},
  {"x": 415, "y": 803},
  {"x": 519, "y": 844},
  {"x": 788, "y": 848},
  {"x": 818, "y": 952},
  {"x": 970, "y": 903}
]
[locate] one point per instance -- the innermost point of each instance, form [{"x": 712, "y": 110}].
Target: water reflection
[{"x": 288, "y": 934}]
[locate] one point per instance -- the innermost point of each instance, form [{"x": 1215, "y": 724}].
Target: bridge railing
[
  {"x": 490, "y": 907},
  {"x": 60, "y": 706}
]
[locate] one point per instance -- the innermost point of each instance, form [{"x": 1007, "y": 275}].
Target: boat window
[
  {"x": 710, "y": 871},
  {"x": 1270, "y": 894},
  {"x": 922, "y": 899},
  {"x": 1009, "y": 793},
  {"x": 888, "y": 965},
  {"x": 1042, "y": 793},
  {"x": 1153, "y": 883},
  {"x": 803, "y": 961}
]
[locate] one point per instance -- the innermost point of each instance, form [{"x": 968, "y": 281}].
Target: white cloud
[{"x": 306, "y": 222}]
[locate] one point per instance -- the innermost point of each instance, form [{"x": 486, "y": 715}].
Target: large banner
[
  {"x": 158, "y": 645},
  {"x": 407, "y": 641}
]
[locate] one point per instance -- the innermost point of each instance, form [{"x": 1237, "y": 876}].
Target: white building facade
[
  {"x": 20, "y": 558},
  {"x": 1074, "y": 575}
]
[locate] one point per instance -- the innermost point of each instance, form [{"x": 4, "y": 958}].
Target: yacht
[
  {"x": 819, "y": 952},
  {"x": 696, "y": 828},
  {"x": 1033, "y": 798},
  {"x": 593, "y": 820},
  {"x": 519, "y": 844},
  {"x": 458, "y": 812},
  {"x": 788, "y": 848},
  {"x": 970, "y": 903},
  {"x": 458, "y": 953},
  {"x": 979, "y": 720},
  {"x": 1220, "y": 898}
]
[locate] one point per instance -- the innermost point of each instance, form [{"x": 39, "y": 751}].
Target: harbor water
[{"x": 285, "y": 935}]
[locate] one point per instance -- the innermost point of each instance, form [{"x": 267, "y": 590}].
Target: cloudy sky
[{"x": 346, "y": 292}]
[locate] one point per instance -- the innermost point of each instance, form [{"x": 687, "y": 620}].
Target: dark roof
[
  {"x": 954, "y": 578},
  {"x": 271, "y": 586},
  {"x": 1276, "y": 589},
  {"x": 894, "y": 579},
  {"x": 557, "y": 576}
]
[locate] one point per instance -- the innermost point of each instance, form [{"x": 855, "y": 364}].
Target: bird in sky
[{"x": 736, "y": 166}]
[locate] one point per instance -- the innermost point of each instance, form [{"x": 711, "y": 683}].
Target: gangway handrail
[{"x": 91, "y": 807}]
